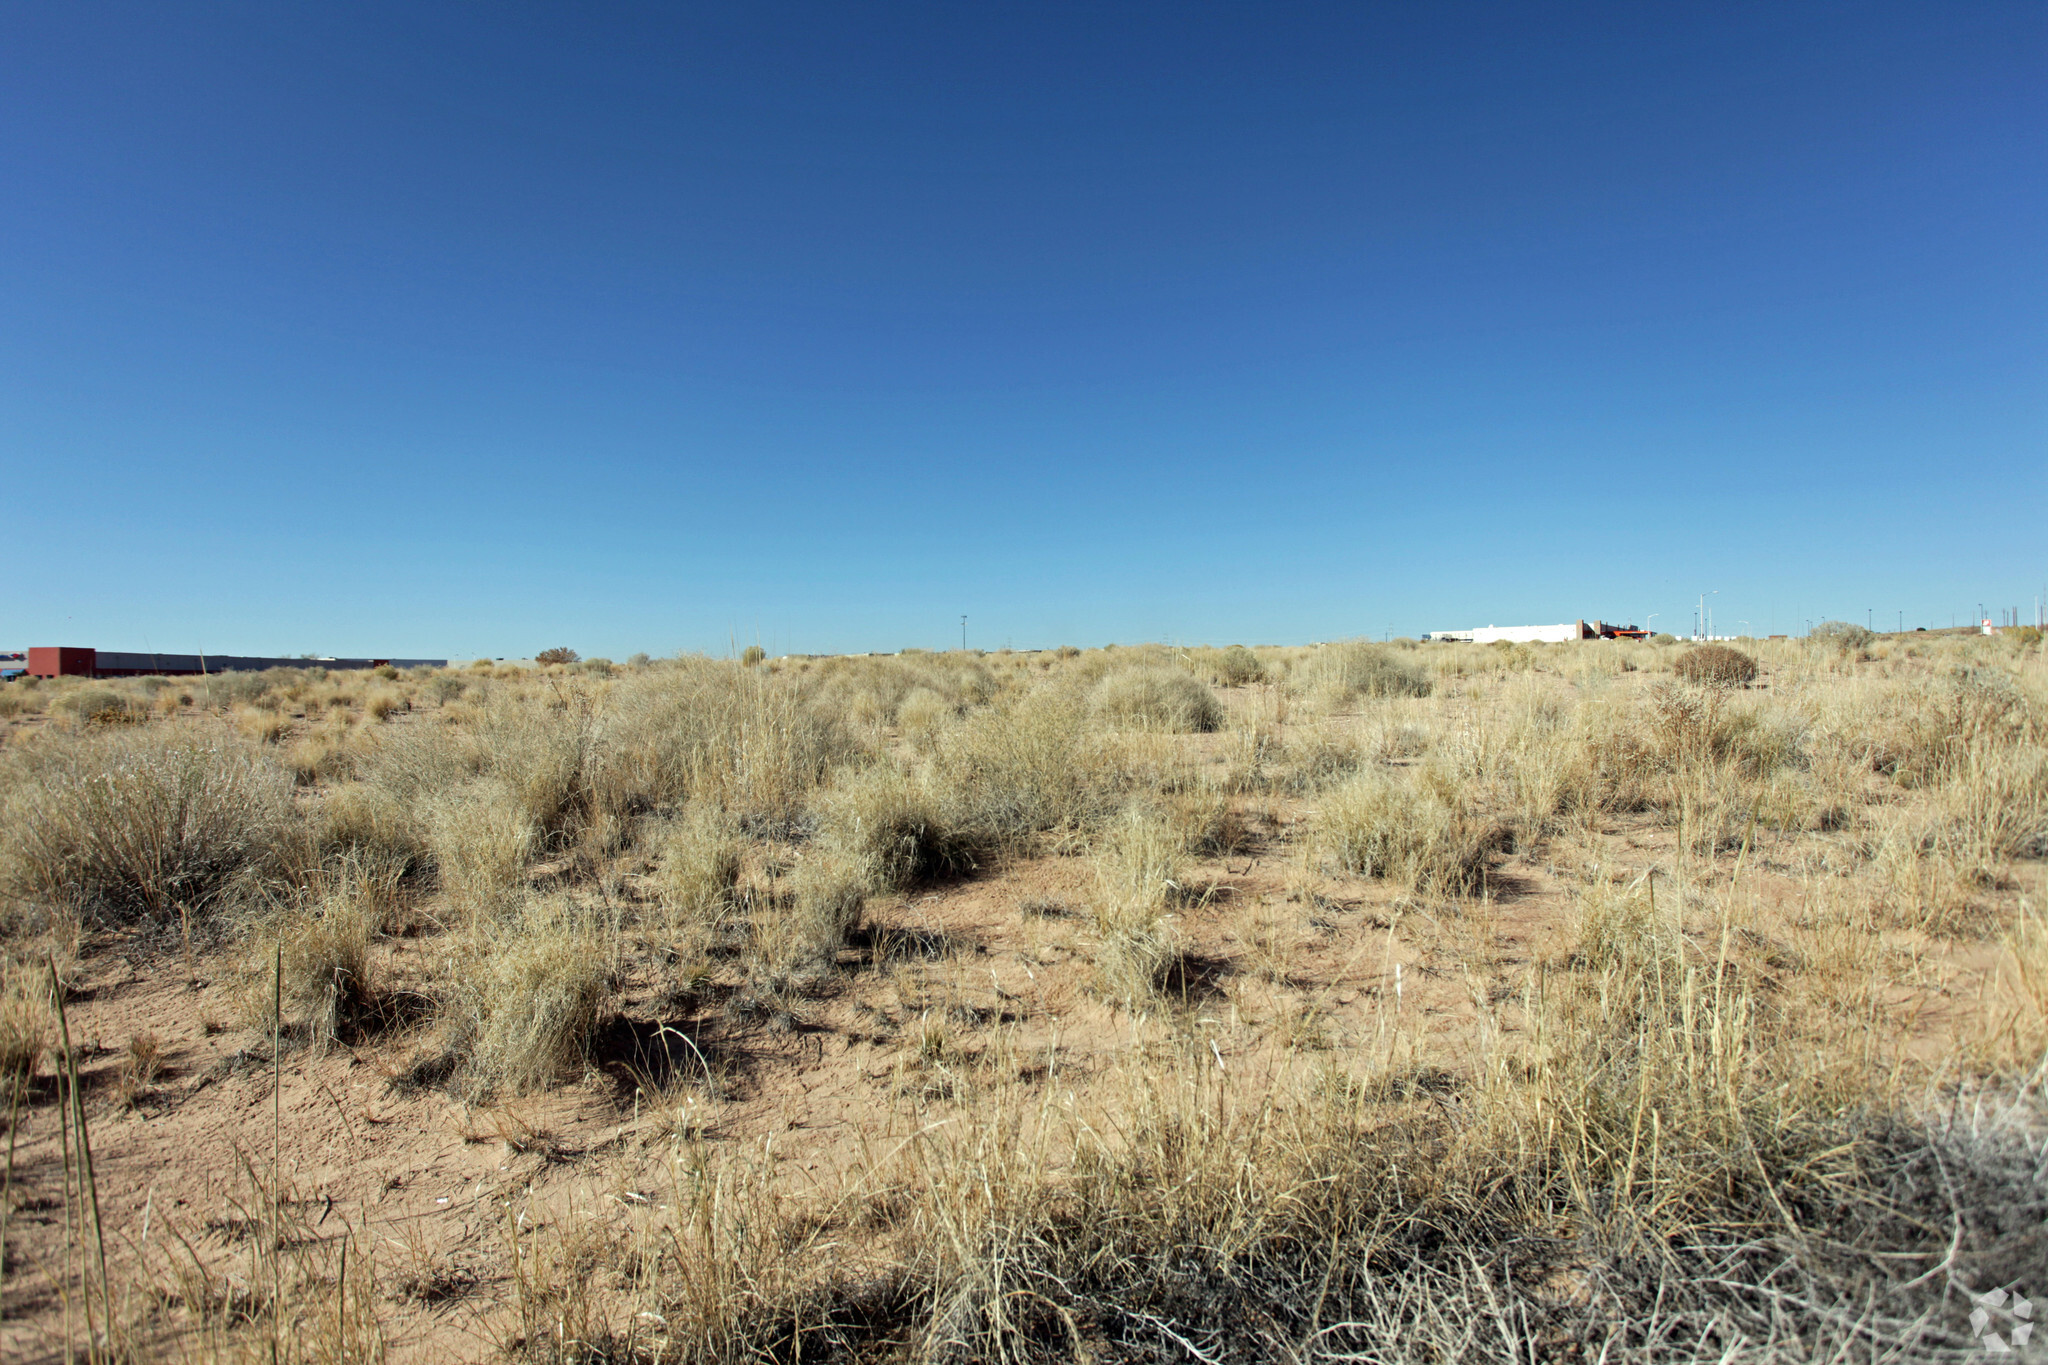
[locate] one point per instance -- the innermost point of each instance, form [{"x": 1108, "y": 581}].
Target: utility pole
[{"x": 963, "y": 634}]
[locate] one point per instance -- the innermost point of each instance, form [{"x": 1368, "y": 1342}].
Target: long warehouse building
[{"x": 74, "y": 661}]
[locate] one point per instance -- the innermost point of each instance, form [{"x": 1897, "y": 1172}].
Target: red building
[{"x": 61, "y": 661}]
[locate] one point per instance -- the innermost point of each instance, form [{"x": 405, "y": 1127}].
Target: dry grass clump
[
  {"x": 316, "y": 958},
  {"x": 524, "y": 1009},
  {"x": 92, "y": 706},
  {"x": 2017, "y": 1036},
  {"x": 748, "y": 740},
  {"x": 698, "y": 868},
  {"x": 1650, "y": 1176},
  {"x": 481, "y": 837},
  {"x": 261, "y": 723},
  {"x": 1842, "y": 635},
  {"x": 412, "y": 763},
  {"x": 1623, "y": 926},
  {"x": 887, "y": 822},
  {"x": 1014, "y": 770},
  {"x": 922, "y": 714},
  {"x": 320, "y": 756},
  {"x": 369, "y": 825},
  {"x": 1417, "y": 832},
  {"x": 797, "y": 930},
  {"x": 1684, "y": 1129},
  {"x": 146, "y": 824},
  {"x": 27, "y": 1024},
  {"x": 1715, "y": 666},
  {"x": 914, "y": 690},
  {"x": 1238, "y": 666},
  {"x": 1137, "y": 870},
  {"x": 140, "y": 1067},
  {"x": 1358, "y": 668},
  {"x": 535, "y": 751},
  {"x": 1156, "y": 698}
]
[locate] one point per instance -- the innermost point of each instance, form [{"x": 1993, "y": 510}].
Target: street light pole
[{"x": 963, "y": 634}]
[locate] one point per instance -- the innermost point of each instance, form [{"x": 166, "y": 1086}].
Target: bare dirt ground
[{"x": 943, "y": 988}]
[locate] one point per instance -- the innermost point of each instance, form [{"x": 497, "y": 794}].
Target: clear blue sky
[{"x": 436, "y": 329}]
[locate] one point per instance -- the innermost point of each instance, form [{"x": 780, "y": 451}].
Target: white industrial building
[{"x": 1546, "y": 635}]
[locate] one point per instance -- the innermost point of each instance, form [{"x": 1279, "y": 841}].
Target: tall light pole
[{"x": 963, "y": 634}]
